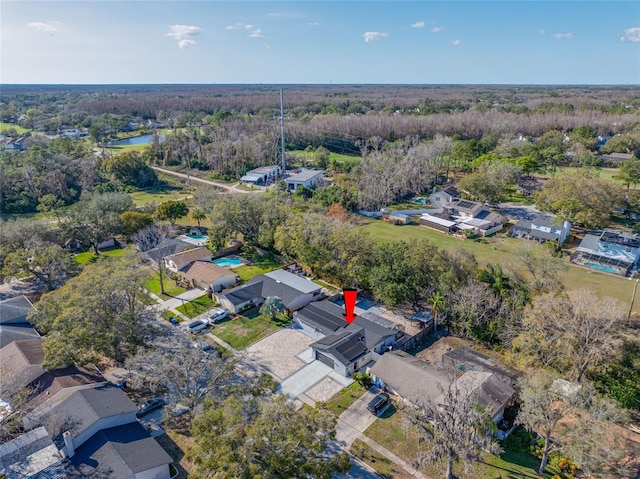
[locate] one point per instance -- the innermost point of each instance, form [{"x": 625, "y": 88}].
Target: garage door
[{"x": 323, "y": 358}]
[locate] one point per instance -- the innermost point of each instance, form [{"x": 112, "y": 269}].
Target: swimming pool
[
  {"x": 197, "y": 237},
  {"x": 601, "y": 267},
  {"x": 421, "y": 201},
  {"x": 228, "y": 262}
]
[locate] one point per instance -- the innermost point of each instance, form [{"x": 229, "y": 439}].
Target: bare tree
[
  {"x": 540, "y": 263},
  {"x": 572, "y": 332},
  {"x": 151, "y": 237},
  {"x": 455, "y": 427},
  {"x": 574, "y": 422}
]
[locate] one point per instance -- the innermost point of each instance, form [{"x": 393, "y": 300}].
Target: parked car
[
  {"x": 173, "y": 320},
  {"x": 218, "y": 316},
  {"x": 150, "y": 405},
  {"x": 378, "y": 403},
  {"x": 204, "y": 346},
  {"x": 196, "y": 326}
]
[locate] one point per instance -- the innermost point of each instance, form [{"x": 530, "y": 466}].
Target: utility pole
[
  {"x": 633, "y": 297},
  {"x": 284, "y": 163}
]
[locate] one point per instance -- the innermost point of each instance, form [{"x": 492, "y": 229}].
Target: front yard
[
  {"x": 242, "y": 331},
  {"x": 196, "y": 307},
  {"x": 343, "y": 399},
  {"x": 91, "y": 257},
  {"x": 389, "y": 432},
  {"x": 171, "y": 289}
]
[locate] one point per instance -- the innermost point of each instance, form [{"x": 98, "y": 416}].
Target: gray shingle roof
[
  {"x": 15, "y": 332},
  {"x": 15, "y": 310},
  {"x": 118, "y": 453}
]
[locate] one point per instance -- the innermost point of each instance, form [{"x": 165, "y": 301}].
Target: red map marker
[{"x": 350, "y": 297}]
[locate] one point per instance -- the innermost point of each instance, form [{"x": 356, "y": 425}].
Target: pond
[{"x": 136, "y": 140}]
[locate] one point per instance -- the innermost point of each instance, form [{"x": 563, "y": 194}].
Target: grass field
[
  {"x": 7, "y": 126},
  {"x": 342, "y": 159},
  {"x": 259, "y": 265},
  {"x": 196, "y": 307},
  {"x": 243, "y": 331},
  {"x": 343, "y": 399},
  {"x": 608, "y": 174},
  {"x": 389, "y": 432},
  {"x": 157, "y": 195},
  {"x": 116, "y": 149},
  {"x": 170, "y": 287},
  {"x": 500, "y": 249},
  {"x": 91, "y": 257}
]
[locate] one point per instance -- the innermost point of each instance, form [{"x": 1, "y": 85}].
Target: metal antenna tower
[{"x": 284, "y": 163}]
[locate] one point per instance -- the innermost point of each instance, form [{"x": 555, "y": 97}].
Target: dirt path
[{"x": 229, "y": 189}]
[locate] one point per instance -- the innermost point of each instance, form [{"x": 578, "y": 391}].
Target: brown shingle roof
[
  {"x": 204, "y": 271},
  {"x": 190, "y": 255}
]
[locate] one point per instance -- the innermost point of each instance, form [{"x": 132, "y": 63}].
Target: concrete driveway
[{"x": 355, "y": 420}]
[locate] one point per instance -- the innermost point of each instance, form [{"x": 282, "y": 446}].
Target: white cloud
[
  {"x": 313, "y": 24},
  {"x": 456, "y": 43},
  {"x": 563, "y": 36},
  {"x": 183, "y": 34},
  {"x": 282, "y": 15},
  {"x": 418, "y": 25},
  {"x": 542, "y": 32},
  {"x": 45, "y": 27},
  {"x": 371, "y": 36},
  {"x": 437, "y": 29},
  {"x": 240, "y": 26},
  {"x": 631, "y": 35},
  {"x": 257, "y": 33}
]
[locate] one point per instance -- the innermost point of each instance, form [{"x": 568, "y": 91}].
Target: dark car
[
  {"x": 149, "y": 406},
  {"x": 377, "y": 403}
]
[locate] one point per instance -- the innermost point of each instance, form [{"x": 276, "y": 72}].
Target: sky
[{"x": 320, "y": 42}]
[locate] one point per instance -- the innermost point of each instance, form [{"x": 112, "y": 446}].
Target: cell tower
[{"x": 284, "y": 163}]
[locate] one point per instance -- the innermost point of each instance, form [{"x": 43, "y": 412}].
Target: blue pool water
[
  {"x": 136, "y": 140},
  {"x": 197, "y": 237},
  {"x": 228, "y": 262},
  {"x": 422, "y": 201},
  {"x": 600, "y": 267}
]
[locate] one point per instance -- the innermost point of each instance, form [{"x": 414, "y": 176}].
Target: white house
[
  {"x": 541, "y": 229},
  {"x": 262, "y": 176},
  {"x": 307, "y": 178}
]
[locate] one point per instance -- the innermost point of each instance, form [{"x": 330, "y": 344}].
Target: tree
[
  {"x": 16, "y": 396},
  {"x": 455, "y": 429},
  {"x": 129, "y": 168},
  {"x": 272, "y": 306},
  {"x": 321, "y": 157},
  {"x": 189, "y": 375},
  {"x": 540, "y": 262},
  {"x": 50, "y": 203},
  {"x": 151, "y": 237},
  {"x": 630, "y": 172},
  {"x": 134, "y": 221},
  {"x": 580, "y": 198},
  {"x": 95, "y": 220},
  {"x": 491, "y": 180},
  {"x": 572, "y": 332},
  {"x": 572, "y": 421},
  {"x": 102, "y": 312},
  {"x": 47, "y": 262},
  {"x": 269, "y": 439},
  {"x": 198, "y": 214},
  {"x": 436, "y": 300},
  {"x": 171, "y": 211}
]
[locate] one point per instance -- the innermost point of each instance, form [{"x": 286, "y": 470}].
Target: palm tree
[
  {"x": 198, "y": 214},
  {"x": 271, "y": 306},
  {"x": 437, "y": 303}
]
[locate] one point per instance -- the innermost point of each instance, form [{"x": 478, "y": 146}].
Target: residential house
[
  {"x": 438, "y": 223},
  {"x": 466, "y": 359},
  {"x": 345, "y": 347},
  {"x": 306, "y": 178},
  {"x": 166, "y": 248},
  {"x": 541, "y": 229},
  {"x": 445, "y": 195},
  {"x": 154, "y": 124},
  {"x": 13, "y": 320},
  {"x": 413, "y": 381},
  {"x": 97, "y": 431},
  {"x": 23, "y": 360},
  {"x": 465, "y": 216},
  {"x": 207, "y": 275},
  {"x": 528, "y": 185},
  {"x": 31, "y": 455},
  {"x": 177, "y": 261},
  {"x": 294, "y": 291},
  {"x": 612, "y": 251},
  {"x": 615, "y": 159},
  {"x": 262, "y": 176},
  {"x": 394, "y": 217}
]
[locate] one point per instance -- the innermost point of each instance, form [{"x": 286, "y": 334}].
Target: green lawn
[
  {"x": 7, "y": 126},
  {"x": 170, "y": 287},
  {"x": 259, "y": 265},
  {"x": 157, "y": 195},
  {"x": 500, "y": 249},
  {"x": 388, "y": 431},
  {"x": 340, "y": 158},
  {"x": 117, "y": 149},
  {"x": 343, "y": 399},
  {"x": 382, "y": 464},
  {"x": 196, "y": 307},
  {"x": 91, "y": 257},
  {"x": 242, "y": 331}
]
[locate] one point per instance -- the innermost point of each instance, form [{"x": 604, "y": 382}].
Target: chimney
[{"x": 68, "y": 442}]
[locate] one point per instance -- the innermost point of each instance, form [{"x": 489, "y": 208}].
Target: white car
[
  {"x": 218, "y": 315},
  {"x": 196, "y": 326}
]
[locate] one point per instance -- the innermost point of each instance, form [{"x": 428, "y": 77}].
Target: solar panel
[{"x": 466, "y": 204}]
